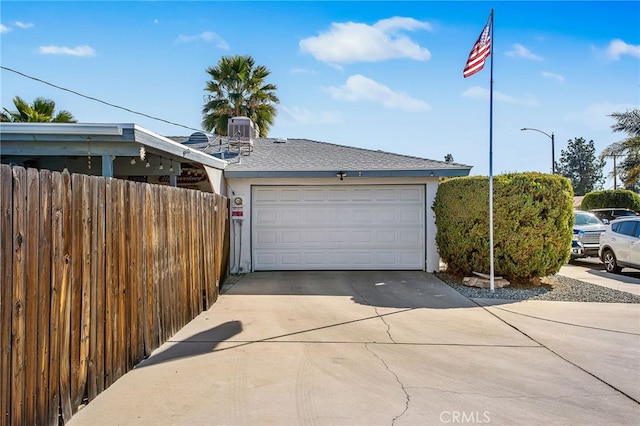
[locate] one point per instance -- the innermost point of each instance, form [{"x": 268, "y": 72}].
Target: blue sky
[{"x": 370, "y": 74}]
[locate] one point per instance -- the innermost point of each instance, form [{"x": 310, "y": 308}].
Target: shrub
[
  {"x": 532, "y": 224},
  {"x": 618, "y": 198}
]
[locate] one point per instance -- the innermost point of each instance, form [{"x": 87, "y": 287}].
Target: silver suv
[
  {"x": 586, "y": 234},
  {"x": 620, "y": 245},
  {"x": 612, "y": 214}
]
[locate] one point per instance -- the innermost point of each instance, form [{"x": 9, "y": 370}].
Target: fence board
[
  {"x": 32, "y": 265},
  {"x": 6, "y": 292},
  {"x": 57, "y": 272},
  {"x": 75, "y": 290},
  {"x": 189, "y": 285},
  {"x": 65, "y": 303},
  {"x": 123, "y": 313},
  {"x": 18, "y": 321},
  {"x": 110, "y": 282},
  {"x": 98, "y": 278},
  {"x": 92, "y": 382},
  {"x": 163, "y": 290},
  {"x": 43, "y": 298},
  {"x": 116, "y": 335},
  {"x": 148, "y": 259},
  {"x": 153, "y": 272},
  {"x": 196, "y": 286},
  {"x": 85, "y": 294},
  {"x": 136, "y": 341},
  {"x": 199, "y": 254},
  {"x": 169, "y": 266}
]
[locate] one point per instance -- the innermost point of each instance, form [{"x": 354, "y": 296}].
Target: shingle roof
[{"x": 303, "y": 157}]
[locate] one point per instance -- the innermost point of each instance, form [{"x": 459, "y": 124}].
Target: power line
[{"x": 99, "y": 100}]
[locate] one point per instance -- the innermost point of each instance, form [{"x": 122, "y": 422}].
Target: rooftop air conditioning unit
[{"x": 242, "y": 129}]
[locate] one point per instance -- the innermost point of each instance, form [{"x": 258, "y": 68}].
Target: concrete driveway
[
  {"x": 382, "y": 348},
  {"x": 592, "y": 270}
]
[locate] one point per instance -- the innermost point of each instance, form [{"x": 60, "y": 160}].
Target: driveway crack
[
  {"x": 364, "y": 298},
  {"x": 385, "y": 323},
  {"x": 407, "y": 399}
]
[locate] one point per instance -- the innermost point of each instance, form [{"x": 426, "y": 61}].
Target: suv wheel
[{"x": 610, "y": 263}]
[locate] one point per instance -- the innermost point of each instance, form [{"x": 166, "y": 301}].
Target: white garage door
[{"x": 338, "y": 227}]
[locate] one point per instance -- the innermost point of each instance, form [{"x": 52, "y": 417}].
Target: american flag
[{"x": 480, "y": 51}]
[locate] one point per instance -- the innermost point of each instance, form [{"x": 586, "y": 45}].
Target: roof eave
[
  {"x": 348, "y": 173},
  {"x": 48, "y": 139}
]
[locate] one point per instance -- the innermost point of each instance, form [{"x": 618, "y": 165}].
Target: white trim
[{"x": 63, "y": 128}]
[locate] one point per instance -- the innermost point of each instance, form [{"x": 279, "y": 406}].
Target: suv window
[
  {"x": 627, "y": 227},
  {"x": 623, "y": 212}
]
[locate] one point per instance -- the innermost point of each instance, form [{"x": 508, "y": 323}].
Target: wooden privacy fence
[{"x": 96, "y": 273}]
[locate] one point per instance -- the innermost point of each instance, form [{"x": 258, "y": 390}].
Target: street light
[{"x": 553, "y": 150}]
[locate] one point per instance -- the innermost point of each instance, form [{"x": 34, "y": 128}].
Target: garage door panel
[
  {"x": 411, "y": 194},
  {"x": 362, "y": 216},
  {"x": 337, "y": 194},
  {"x": 267, "y": 259},
  {"x": 266, "y": 237},
  {"x": 290, "y": 237},
  {"x": 411, "y": 216},
  {"x": 386, "y": 194},
  {"x": 292, "y": 259},
  {"x": 266, "y": 216},
  {"x": 353, "y": 239},
  {"x": 363, "y": 227},
  {"x": 290, "y": 194},
  {"x": 384, "y": 215},
  {"x": 314, "y": 194},
  {"x": 337, "y": 259},
  {"x": 265, "y": 195}
]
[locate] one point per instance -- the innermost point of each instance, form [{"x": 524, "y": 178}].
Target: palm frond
[{"x": 240, "y": 86}]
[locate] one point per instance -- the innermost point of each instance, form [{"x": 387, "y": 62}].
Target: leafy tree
[
  {"x": 629, "y": 149},
  {"x": 41, "y": 111},
  {"x": 580, "y": 164},
  {"x": 238, "y": 88}
]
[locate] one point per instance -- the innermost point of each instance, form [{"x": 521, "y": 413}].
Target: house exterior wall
[
  {"x": 241, "y": 227},
  {"x": 216, "y": 178}
]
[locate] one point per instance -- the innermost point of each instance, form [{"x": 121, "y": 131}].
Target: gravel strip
[{"x": 558, "y": 288}]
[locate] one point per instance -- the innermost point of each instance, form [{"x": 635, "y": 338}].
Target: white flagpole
[{"x": 491, "y": 270}]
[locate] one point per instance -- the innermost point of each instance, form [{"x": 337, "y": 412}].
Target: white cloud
[
  {"x": 477, "y": 92},
  {"x": 23, "y": 25},
  {"x": 618, "y": 47},
  {"x": 206, "y": 36},
  {"x": 519, "y": 51},
  {"x": 356, "y": 42},
  {"x": 298, "y": 115},
  {"x": 596, "y": 116},
  {"x": 390, "y": 25},
  {"x": 4, "y": 29},
  {"x": 360, "y": 88},
  {"x": 552, "y": 76},
  {"x": 63, "y": 50}
]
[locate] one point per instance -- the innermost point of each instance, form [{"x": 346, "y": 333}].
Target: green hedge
[
  {"x": 619, "y": 198},
  {"x": 532, "y": 224}
]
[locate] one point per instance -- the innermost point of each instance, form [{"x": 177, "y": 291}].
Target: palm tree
[
  {"x": 238, "y": 89},
  {"x": 629, "y": 149},
  {"x": 41, "y": 111}
]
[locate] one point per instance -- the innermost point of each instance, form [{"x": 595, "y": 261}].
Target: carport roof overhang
[
  {"x": 122, "y": 139},
  {"x": 347, "y": 173}
]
